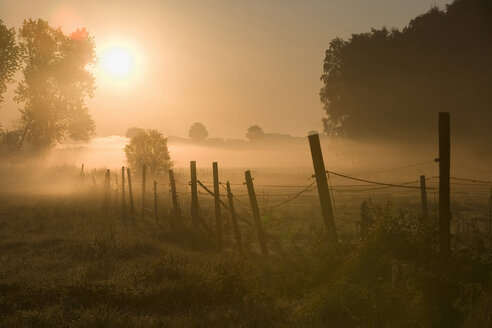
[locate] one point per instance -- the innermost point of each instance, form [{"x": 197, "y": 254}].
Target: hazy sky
[{"x": 226, "y": 63}]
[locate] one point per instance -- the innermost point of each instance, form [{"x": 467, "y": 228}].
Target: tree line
[{"x": 390, "y": 83}]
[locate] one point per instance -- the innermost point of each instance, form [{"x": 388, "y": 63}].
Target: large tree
[
  {"x": 56, "y": 82},
  {"x": 9, "y": 55},
  {"x": 391, "y": 83}
]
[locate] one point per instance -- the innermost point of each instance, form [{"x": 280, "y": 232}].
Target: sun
[{"x": 118, "y": 62}]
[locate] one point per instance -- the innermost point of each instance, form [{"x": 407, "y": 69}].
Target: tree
[
  {"x": 198, "y": 132},
  {"x": 133, "y": 131},
  {"x": 148, "y": 147},
  {"x": 9, "y": 57},
  {"x": 56, "y": 82},
  {"x": 389, "y": 84},
  {"x": 255, "y": 132}
]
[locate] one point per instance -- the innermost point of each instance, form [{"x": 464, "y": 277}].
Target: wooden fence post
[
  {"x": 82, "y": 175},
  {"x": 116, "y": 189},
  {"x": 490, "y": 217},
  {"x": 444, "y": 183},
  {"x": 107, "y": 191},
  {"x": 256, "y": 213},
  {"x": 423, "y": 197},
  {"x": 155, "y": 203},
  {"x": 173, "y": 195},
  {"x": 123, "y": 203},
  {"x": 218, "y": 217},
  {"x": 237, "y": 233},
  {"x": 194, "y": 195},
  {"x": 130, "y": 193},
  {"x": 144, "y": 172},
  {"x": 322, "y": 183}
]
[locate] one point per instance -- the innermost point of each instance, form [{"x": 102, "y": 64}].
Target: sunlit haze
[
  {"x": 227, "y": 64},
  {"x": 118, "y": 62}
]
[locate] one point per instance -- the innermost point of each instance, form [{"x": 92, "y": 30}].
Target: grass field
[{"x": 65, "y": 264}]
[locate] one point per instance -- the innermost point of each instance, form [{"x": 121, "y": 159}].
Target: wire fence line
[
  {"x": 291, "y": 198},
  {"x": 340, "y": 190}
]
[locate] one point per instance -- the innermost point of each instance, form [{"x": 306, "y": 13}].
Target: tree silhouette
[
  {"x": 255, "y": 132},
  {"x": 391, "y": 83},
  {"x": 133, "y": 131},
  {"x": 197, "y": 132},
  {"x": 9, "y": 57},
  {"x": 55, "y": 85},
  {"x": 148, "y": 147}
]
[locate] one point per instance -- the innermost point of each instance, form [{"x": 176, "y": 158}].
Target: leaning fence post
[
  {"x": 173, "y": 194},
  {"x": 144, "y": 171},
  {"x": 237, "y": 233},
  {"x": 256, "y": 213},
  {"x": 322, "y": 183},
  {"x": 423, "y": 196},
  {"x": 218, "y": 218},
  {"x": 130, "y": 193},
  {"x": 155, "y": 203},
  {"x": 194, "y": 195},
  {"x": 444, "y": 183},
  {"x": 82, "y": 175}
]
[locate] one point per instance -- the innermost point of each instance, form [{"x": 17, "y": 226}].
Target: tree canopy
[
  {"x": 198, "y": 132},
  {"x": 56, "y": 82},
  {"x": 148, "y": 147},
  {"x": 9, "y": 57},
  {"x": 391, "y": 83},
  {"x": 255, "y": 132},
  {"x": 133, "y": 131}
]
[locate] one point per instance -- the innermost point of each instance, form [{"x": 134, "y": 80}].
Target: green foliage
[
  {"x": 391, "y": 83},
  {"x": 9, "y": 57},
  {"x": 396, "y": 278},
  {"x": 198, "y": 132},
  {"x": 56, "y": 82},
  {"x": 148, "y": 147}
]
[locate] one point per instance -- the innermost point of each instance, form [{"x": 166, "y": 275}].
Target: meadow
[{"x": 64, "y": 262}]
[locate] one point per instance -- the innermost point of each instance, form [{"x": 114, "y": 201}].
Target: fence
[{"x": 320, "y": 187}]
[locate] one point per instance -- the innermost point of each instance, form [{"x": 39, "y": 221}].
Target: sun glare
[{"x": 118, "y": 62}]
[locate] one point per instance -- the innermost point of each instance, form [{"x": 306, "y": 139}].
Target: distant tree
[
  {"x": 133, "y": 131},
  {"x": 9, "y": 57},
  {"x": 197, "y": 132},
  {"x": 391, "y": 83},
  {"x": 148, "y": 147},
  {"x": 255, "y": 132},
  {"x": 56, "y": 82}
]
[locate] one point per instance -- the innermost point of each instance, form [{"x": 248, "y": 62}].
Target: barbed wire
[
  {"x": 471, "y": 168},
  {"x": 397, "y": 168},
  {"x": 402, "y": 185},
  {"x": 294, "y": 196},
  {"x": 472, "y": 180}
]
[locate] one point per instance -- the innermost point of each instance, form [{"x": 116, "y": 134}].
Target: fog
[{"x": 274, "y": 162}]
